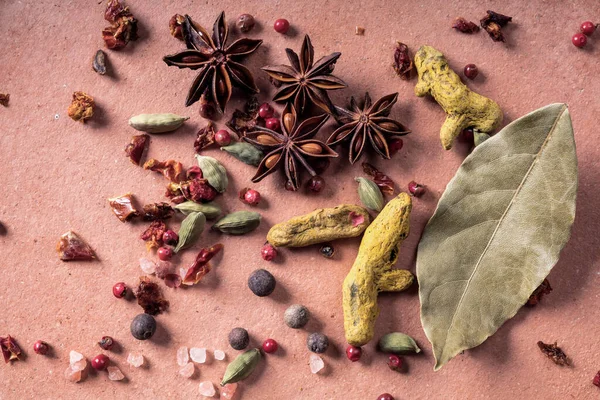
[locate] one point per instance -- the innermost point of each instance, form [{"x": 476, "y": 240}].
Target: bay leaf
[{"x": 497, "y": 231}]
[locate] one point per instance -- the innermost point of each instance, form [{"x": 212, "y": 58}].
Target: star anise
[
  {"x": 218, "y": 64},
  {"x": 304, "y": 82},
  {"x": 293, "y": 148},
  {"x": 368, "y": 123}
]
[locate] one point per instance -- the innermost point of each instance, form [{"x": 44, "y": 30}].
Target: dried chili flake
[
  {"x": 555, "y": 353},
  {"x": 384, "y": 182},
  {"x": 175, "y": 24},
  {"x": 596, "y": 380},
  {"x": 403, "y": 63},
  {"x": 135, "y": 149},
  {"x": 197, "y": 189},
  {"x": 492, "y": 23},
  {"x": 82, "y": 107},
  {"x": 194, "y": 172},
  {"x": 464, "y": 26},
  {"x": 201, "y": 265},
  {"x": 171, "y": 169},
  {"x": 205, "y": 137},
  {"x": 123, "y": 26},
  {"x": 153, "y": 235},
  {"x": 10, "y": 349},
  {"x": 173, "y": 280},
  {"x": 150, "y": 298},
  {"x": 242, "y": 122},
  {"x": 123, "y": 208},
  {"x": 71, "y": 247},
  {"x": 538, "y": 293},
  {"x": 156, "y": 211},
  {"x": 4, "y": 98}
]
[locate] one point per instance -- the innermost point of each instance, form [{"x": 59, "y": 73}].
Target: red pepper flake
[
  {"x": 555, "y": 353},
  {"x": 71, "y": 247},
  {"x": 464, "y": 26},
  {"x": 82, "y": 107},
  {"x": 384, "y": 182},
  {"x": 194, "y": 172},
  {"x": 153, "y": 235},
  {"x": 135, "y": 149},
  {"x": 205, "y": 137},
  {"x": 201, "y": 265},
  {"x": 173, "y": 280},
  {"x": 175, "y": 26},
  {"x": 123, "y": 208},
  {"x": 596, "y": 380},
  {"x": 4, "y": 98},
  {"x": 242, "y": 122},
  {"x": 196, "y": 189},
  {"x": 171, "y": 169},
  {"x": 150, "y": 298},
  {"x": 123, "y": 26},
  {"x": 10, "y": 349},
  {"x": 538, "y": 293},
  {"x": 403, "y": 63},
  {"x": 156, "y": 211},
  {"x": 492, "y": 23}
]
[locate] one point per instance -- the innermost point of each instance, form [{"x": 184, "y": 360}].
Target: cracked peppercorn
[{"x": 317, "y": 342}]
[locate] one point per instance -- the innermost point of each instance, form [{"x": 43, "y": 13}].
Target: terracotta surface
[{"x": 56, "y": 175}]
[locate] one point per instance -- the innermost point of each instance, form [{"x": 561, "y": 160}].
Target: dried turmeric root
[
  {"x": 372, "y": 271},
  {"x": 465, "y": 109}
]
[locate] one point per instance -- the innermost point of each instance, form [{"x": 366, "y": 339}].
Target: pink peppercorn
[
  {"x": 385, "y": 396},
  {"x": 106, "y": 342},
  {"x": 471, "y": 71},
  {"x": 281, "y": 26},
  {"x": 272, "y": 124},
  {"x": 395, "y": 146},
  {"x": 120, "y": 290},
  {"x": 579, "y": 40},
  {"x": 100, "y": 362},
  {"x": 587, "y": 28},
  {"x": 268, "y": 252},
  {"x": 394, "y": 362},
  {"x": 415, "y": 189},
  {"x": 223, "y": 138},
  {"x": 353, "y": 353},
  {"x": 170, "y": 237},
  {"x": 316, "y": 184},
  {"x": 252, "y": 197},
  {"x": 41, "y": 347},
  {"x": 596, "y": 380},
  {"x": 165, "y": 253},
  {"x": 265, "y": 111},
  {"x": 270, "y": 346}
]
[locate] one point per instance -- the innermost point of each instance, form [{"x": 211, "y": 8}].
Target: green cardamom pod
[
  {"x": 245, "y": 152},
  {"x": 241, "y": 367},
  {"x": 214, "y": 172},
  {"x": 157, "y": 123},
  {"x": 238, "y": 223},
  {"x": 398, "y": 343},
  {"x": 479, "y": 137},
  {"x": 191, "y": 228},
  {"x": 210, "y": 210},
  {"x": 370, "y": 194}
]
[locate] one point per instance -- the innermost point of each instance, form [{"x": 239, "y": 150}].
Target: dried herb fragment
[
  {"x": 82, "y": 107},
  {"x": 149, "y": 297},
  {"x": 99, "y": 62},
  {"x": 464, "y": 26},
  {"x": 171, "y": 169},
  {"x": 123, "y": 208},
  {"x": 305, "y": 82},
  {"x": 242, "y": 122},
  {"x": 10, "y": 349},
  {"x": 555, "y": 353},
  {"x": 293, "y": 148},
  {"x": 205, "y": 137},
  {"x": 175, "y": 24},
  {"x": 153, "y": 234},
  {"x": 493, "y": 24},
  {"x": 71, "y": 247},
  {"x": 403, "y": 63},
  {"x": 217, "y": 62},
  {"x": 385, "y": 183},
  {"x": 368, "y": 123},
  {"x": 538, "y": 293},
  {"x": 201, "y": 265},
  {"x": 4, "y": 98},
  {"x": 123, "y": 26},
  {"x": 135, "y": 149},
  {"x": 158, "y": 211}
]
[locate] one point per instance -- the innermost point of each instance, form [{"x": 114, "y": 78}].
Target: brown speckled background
[{"x": 56, "y": 175}]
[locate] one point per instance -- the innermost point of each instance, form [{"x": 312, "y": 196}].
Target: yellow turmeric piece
[
  {"x": 372, "y": 271},
  {"x": 464, "y": 108}
]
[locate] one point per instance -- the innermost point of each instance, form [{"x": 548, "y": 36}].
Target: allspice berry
[
  {"x": 317, "y": 343},
  {"x": 296, "y": 316},
  {"x": 239, "y": 338},
  {"x": 261, "y": 282}
]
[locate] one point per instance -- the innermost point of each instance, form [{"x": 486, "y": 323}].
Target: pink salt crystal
[
  {"x": 187, "y": 370},
  {"x": 148, "y": 266},
  {"x": 228, "y": 391},
  {"x": 114, "y": 373},
  {"x": 182, "y": 356},
  {"x": 135, "y": 360},
  {"x": 74, "y": 357},
  {"x": 316, "y": 363},
  {"x": 219, "y": 355},
  {"x": 198, "y": 355},
  {"x": 207, "y": 389},
  {"x": 163, "y": 268},
  {"x": 75, "y": 375}
]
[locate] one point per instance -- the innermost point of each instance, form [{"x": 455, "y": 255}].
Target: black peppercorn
[
  {"x": 317, "y": 343},
  {"x": 143, "y": 326},
  {"x": 239, "y": 338},
  {"x": 327, "y": 251},
  {"x": 261, "y": 282}
]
